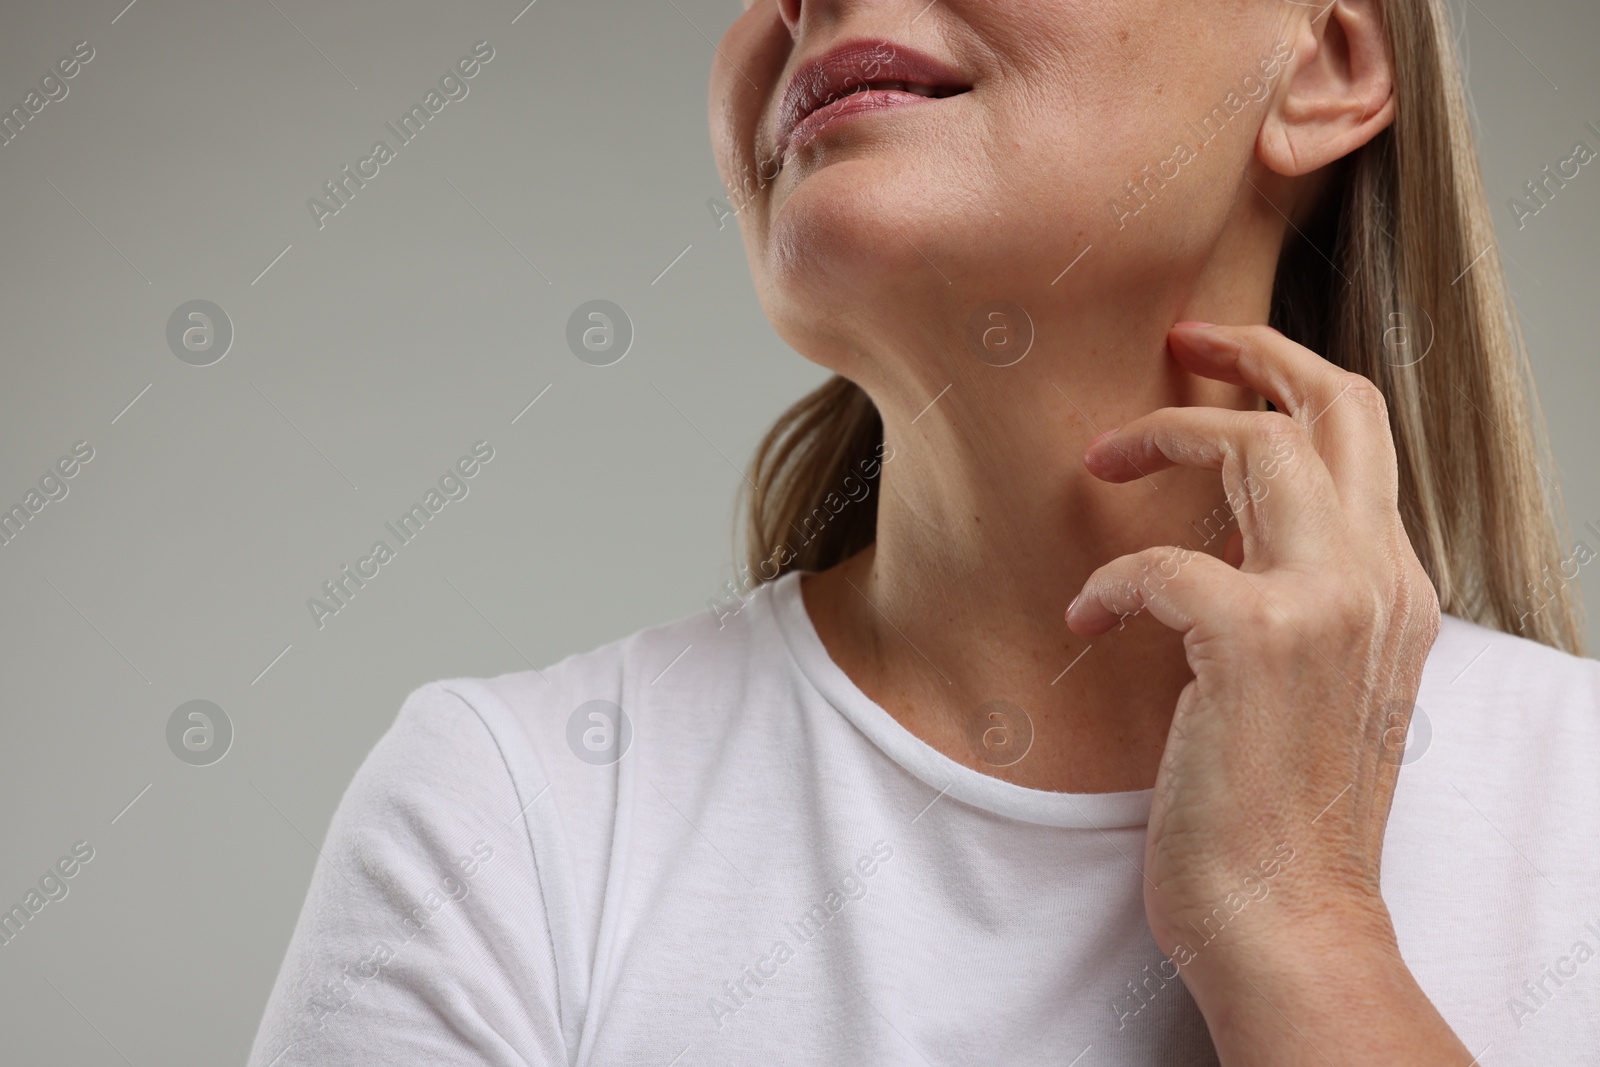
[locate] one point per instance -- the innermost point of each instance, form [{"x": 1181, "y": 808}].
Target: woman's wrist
[{"x": 1332, "y": 988}]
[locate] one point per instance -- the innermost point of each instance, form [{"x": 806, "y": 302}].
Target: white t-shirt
[{"x": 775, "y": 870}]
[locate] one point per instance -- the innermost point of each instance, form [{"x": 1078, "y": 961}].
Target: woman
[{"x": 1060, "y": 713}]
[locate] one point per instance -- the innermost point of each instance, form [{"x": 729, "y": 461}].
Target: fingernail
[
  {"x": 1192, "y": 325},
  {"x": 1068, "y": 615},
  {"x": 1102, "y": 437}
]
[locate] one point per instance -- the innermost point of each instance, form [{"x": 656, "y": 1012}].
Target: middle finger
[{"x": 1277, "y": 485}]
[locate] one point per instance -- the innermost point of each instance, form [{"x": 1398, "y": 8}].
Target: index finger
[{"x": 1344, "y": 414}]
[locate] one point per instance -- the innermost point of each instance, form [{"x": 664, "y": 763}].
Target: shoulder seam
[{"x": 570, "y": 993}]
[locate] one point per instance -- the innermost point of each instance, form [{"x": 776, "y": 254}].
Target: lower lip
[{"x": 848, "y": 107}]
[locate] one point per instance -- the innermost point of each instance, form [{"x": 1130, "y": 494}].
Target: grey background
[{"x": 423, "y": 317}]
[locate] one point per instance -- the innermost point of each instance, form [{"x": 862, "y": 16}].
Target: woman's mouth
[{"x": 856, "y": 78}]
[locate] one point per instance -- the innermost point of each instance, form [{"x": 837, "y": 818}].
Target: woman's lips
[
  {"x": 846, "y": 107},
  {"x": 857, "y": 77}
]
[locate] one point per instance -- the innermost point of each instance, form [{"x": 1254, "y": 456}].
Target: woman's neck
[{"x": 988, "y": 524}]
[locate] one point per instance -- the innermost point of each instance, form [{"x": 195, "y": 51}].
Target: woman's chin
[
  {"x": 863, "y": 229},
  {"x": 858, "y": 230}
]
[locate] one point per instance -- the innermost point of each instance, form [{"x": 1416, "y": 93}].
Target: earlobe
[{"x": 1337, "y": 97}]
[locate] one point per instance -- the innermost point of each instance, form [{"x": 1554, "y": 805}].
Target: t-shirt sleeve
[{"x": 424, "y": 937}]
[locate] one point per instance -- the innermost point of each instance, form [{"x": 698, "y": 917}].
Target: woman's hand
[{"x": 1307, "y": 646}]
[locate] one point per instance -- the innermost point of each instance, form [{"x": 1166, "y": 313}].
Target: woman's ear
[{"x": 1339, "y": 92}]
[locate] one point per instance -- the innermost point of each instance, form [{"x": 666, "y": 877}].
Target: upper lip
[{"x": 850, "y": 66}]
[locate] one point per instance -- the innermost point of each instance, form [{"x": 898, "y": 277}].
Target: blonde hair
[{"x": 1405, "y": 250}]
